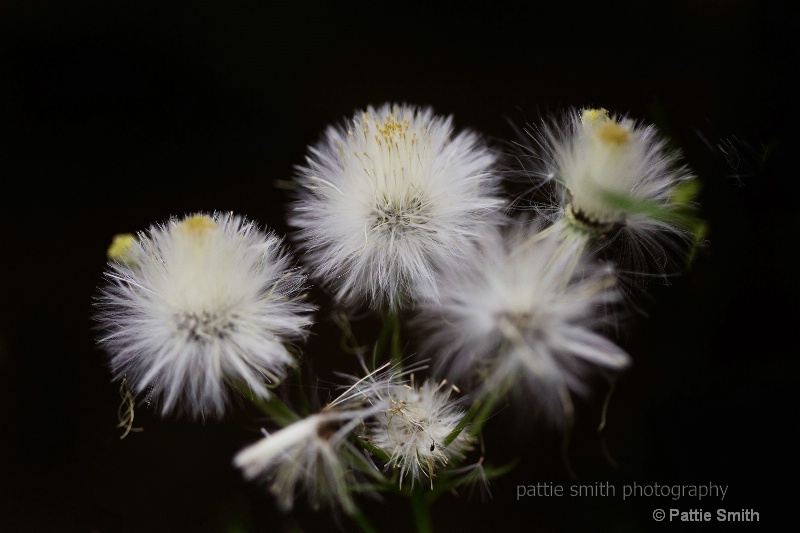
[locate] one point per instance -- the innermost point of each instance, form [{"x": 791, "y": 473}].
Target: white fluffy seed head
[
  {"x": 194, "y": 302},
  {"x": 413, "y": 425},
  {"x": 310, "y": 456},
  {"x": 614, "y": 177},
  {"x": 523, "y": 315},
  {"x": 389, "y": 198}
]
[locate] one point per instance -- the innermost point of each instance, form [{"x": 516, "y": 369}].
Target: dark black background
[{"x": 116, "y": 115}]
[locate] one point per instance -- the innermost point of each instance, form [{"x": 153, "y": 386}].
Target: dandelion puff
[
  {"x": 616, "y": 182},
  {"x": 311, "y": 456},
  {"x": 522, "y": 316},
  {"x": 315, "y": 455},
  {"x": 194, "y": 302},
  {"x": 413, "y": 427},
  {"x": 387, "y": 200}
]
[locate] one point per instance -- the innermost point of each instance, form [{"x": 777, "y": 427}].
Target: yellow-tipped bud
[
  {"x": 613, "y": 133},
  {"x": 121, "y": 246},
  {"x": 594, "y": 116},
  {"x": 198, "y": 224}
]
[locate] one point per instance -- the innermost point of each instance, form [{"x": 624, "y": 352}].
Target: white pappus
[
  {"x": 616, "y": 182},
  {"x": 389, "y": 198},
  {"x": 522, "y": 316},
  {"x": 196, "y": 301}
]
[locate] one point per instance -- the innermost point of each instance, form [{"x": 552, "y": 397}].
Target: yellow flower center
[
  {"x": 613, "y": 134},
  {"x": 592, "y": 116},
  {"x": 391, "y": 127},
  {"x": 121, "y": 246},
  {"x": 197, "y": 224}
]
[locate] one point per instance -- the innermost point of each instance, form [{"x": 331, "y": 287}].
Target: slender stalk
[
  {"x": 377, "y": 452},
  {"x": 422, "y": 515},
  {"x": 362, "y": 522},
  {"x": 388, "y": 341},
  {"x": 396, "y": 350},
  {"x": 486, "y": 407},
  {"x": 273, "y": 407},
  {"x": 478, "y": 412}
]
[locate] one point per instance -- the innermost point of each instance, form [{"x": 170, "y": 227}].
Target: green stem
[
  {"x": 374, "y": 450},
  {"x": 388, "y": 340},
  {"x": 273, "y": 407},
  {"x": 422, "y": 516},
  {"x": 363, "y": 523},
  {"x": 486, "y": 407},
  {"x": 479, "y": 411},
  {"x": 396, "y": 350}
]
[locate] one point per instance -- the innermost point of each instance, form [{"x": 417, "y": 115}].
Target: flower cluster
[
  {"x": 395, "y": 212},
  {"x": 417, "y": 430}
]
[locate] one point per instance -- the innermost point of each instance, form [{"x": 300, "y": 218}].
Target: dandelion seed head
[
  {"x": 389, "y": 198},
  {"x": 412, "y": 428},
  {"x": 604, "y": 155},
  {"x": 616, "y": 182},
  {"x": 195, "y": 302},
  {"x": 310, "y": 456},
  {"x": 519, "y": 318}
]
